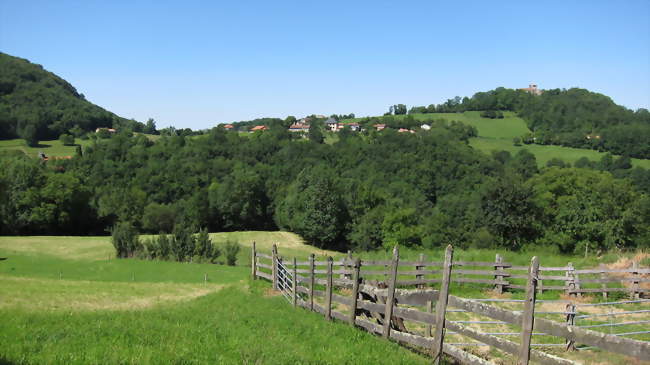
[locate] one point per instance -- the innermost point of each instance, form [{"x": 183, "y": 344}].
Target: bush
[
  {"x": 125, "y": 240},
  {"x": 231, "y": 249},
  {"x": 66, "y": 139}
]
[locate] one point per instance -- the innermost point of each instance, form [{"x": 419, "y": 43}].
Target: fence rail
[{"x": 382, "y": 307}]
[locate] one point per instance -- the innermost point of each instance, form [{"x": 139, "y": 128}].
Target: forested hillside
[
  {"x": 38, "y": 105},
  {"x": 366, "y": 191},
  {"x": 574, "y": 118}
]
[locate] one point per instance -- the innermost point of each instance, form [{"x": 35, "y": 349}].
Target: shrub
[
  {"x": 231, "y": 249},
  {"x": 125, "y": 240},
  {"x": 66, "y": 139}
]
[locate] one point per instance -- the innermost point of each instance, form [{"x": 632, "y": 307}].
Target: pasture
[
  {"x": 67, "y": 300},
  {"x": 498, "y": 134}
]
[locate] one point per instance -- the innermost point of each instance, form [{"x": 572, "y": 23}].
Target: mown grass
[
  {"x": 50, "y": 148},
  {"x": 63, "y": 304},
  {"x": 233, "y": 326}
]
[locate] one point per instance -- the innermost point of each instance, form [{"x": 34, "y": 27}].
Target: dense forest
[
  {"x": 35, "y": 104},
  {"x": 574, "y": 118},
  {"x": 366, "y": 191}
]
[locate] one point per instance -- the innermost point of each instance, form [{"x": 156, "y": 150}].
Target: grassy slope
[
  {"x": 66, "y": 301},
  {"x": 497, "y": 134},
  {"x": 50, "y": 148}
]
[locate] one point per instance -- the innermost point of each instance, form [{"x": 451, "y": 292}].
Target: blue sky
[{"x": 198, "y": 63}]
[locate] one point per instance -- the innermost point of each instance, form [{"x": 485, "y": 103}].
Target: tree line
[
  {"x": 568, "y": 117},
  {"x": 368, "y": 190}
]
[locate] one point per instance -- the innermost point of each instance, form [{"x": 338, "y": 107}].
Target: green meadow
[
  {"x": 498, "y": 134},
  {"x": 67, "y": 300}
]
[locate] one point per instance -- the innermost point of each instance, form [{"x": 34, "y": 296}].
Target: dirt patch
[{"x": 271, "y": 293}]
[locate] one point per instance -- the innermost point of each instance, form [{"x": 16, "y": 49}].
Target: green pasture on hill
[
  {"x": 67, "y": 300},
  {"x": 498, "y": 134}
]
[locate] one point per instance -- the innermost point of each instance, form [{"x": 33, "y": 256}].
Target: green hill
[
  {"x": 36, "y": 104},
  {"x": 498, "y": 134}
]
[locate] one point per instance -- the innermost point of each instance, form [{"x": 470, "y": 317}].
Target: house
[
  {"x": 299, "y": 127},
  {"x": 404, "y": 130},
  {"x": 380, "y": 127},
  {"x": 110, "y": 130},
  {"x": 425, "y": 127},
  {"x": 259, "y": 128},
  {"x": 532, "y": 89},
  {"x": 353, "y": 126},
  {"x": 331, "y": 124},
  {"x": 229, "y": 127}
]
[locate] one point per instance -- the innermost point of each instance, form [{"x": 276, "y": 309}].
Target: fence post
[
  {"x": 498, "y": 267},
  {"x": 274, "y": 266},
  {"x": 570, "y": 283},
  {"x": 295, "y": 283},
  {"x": 311, "y": 281},
  {"x": 603, "y": 277},
  {"x": 429, "y": 310},
  {"x": 441, "y": 307},
  {"x": 328, "y": 309},
  {"x": 254, "y": 262},
  {"x": 634, "y": 294},
  {"x": 420, "y": 266},
  {"x": 347, "y": 265},
  {"x": 528, "y": 317},
  {"x": 570, "y": 321},
  {"x": 390, "y": 297},
  {"x": 355, "y": 291}
]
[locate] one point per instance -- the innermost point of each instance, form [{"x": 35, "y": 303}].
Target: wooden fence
[{"x": 348, "y": 290}]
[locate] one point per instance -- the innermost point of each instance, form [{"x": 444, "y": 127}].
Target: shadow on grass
[{"x": 4, "y": 361}]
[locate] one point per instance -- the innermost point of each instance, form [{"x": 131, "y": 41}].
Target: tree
[
  {"x": 30, "y": 135},
  {"x": 66, "y": 139},
  {"x": 315, "y": 133},
  {"x": 509, "y": 212},
  {"x": 150, "y": 127}
]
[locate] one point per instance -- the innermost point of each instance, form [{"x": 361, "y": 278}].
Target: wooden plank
[
  {"x": 617, "y": 344},
  {"x": 477, "y": 263},
  {"x": 506, "y": 345},
  {"x": 374, "y": 263},
  {"x": 370, "y": 306},
  {"x": 342, "y": 299},
  {"x": 634, "y": 288},
  {"x": 429, "y": 329},
  {"x": 441, "y": 307},
  {"x": 480, "y": 272},
  {"x": 417, "y": 282},
  {"x": 355, "y": 291},
  {"x": 274, "y": 268},
  {"x": 295, "y": 284},
  {"x": 264, "y": 266},
  {"x": 528, "y": 317},
  {"x": 418, "y": 267},
  {"x": 464, "y": 357},
  {"x": 374, "y": 272},
  {"x": 264, "y": 256},
  {"x": 311, "y": 282},
  {"x": 414, "y": 315},
  {"x": 419, "y": 272},
  {"x": 620, "y": 271},
  {"x": 303, "y": 290},
  {"x": 498, "y": 278},
  {"x": 328, "y": 299},
  {"x": 390, "y": 298},
  {"x": 264, "y": 275},
  {"x": 423, "y": 263},
  {"x": 253, "y": 262},
  {"x": 604, "y": 286}
]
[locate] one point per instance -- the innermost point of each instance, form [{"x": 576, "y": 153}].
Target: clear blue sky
[{"x": 199, "y": 63}]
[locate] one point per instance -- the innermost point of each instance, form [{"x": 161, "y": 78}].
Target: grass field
[
  {"x": 66, "y": 300},
  {"x": 497, "y": 135},
  {"x": 50, "y": 148}
]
